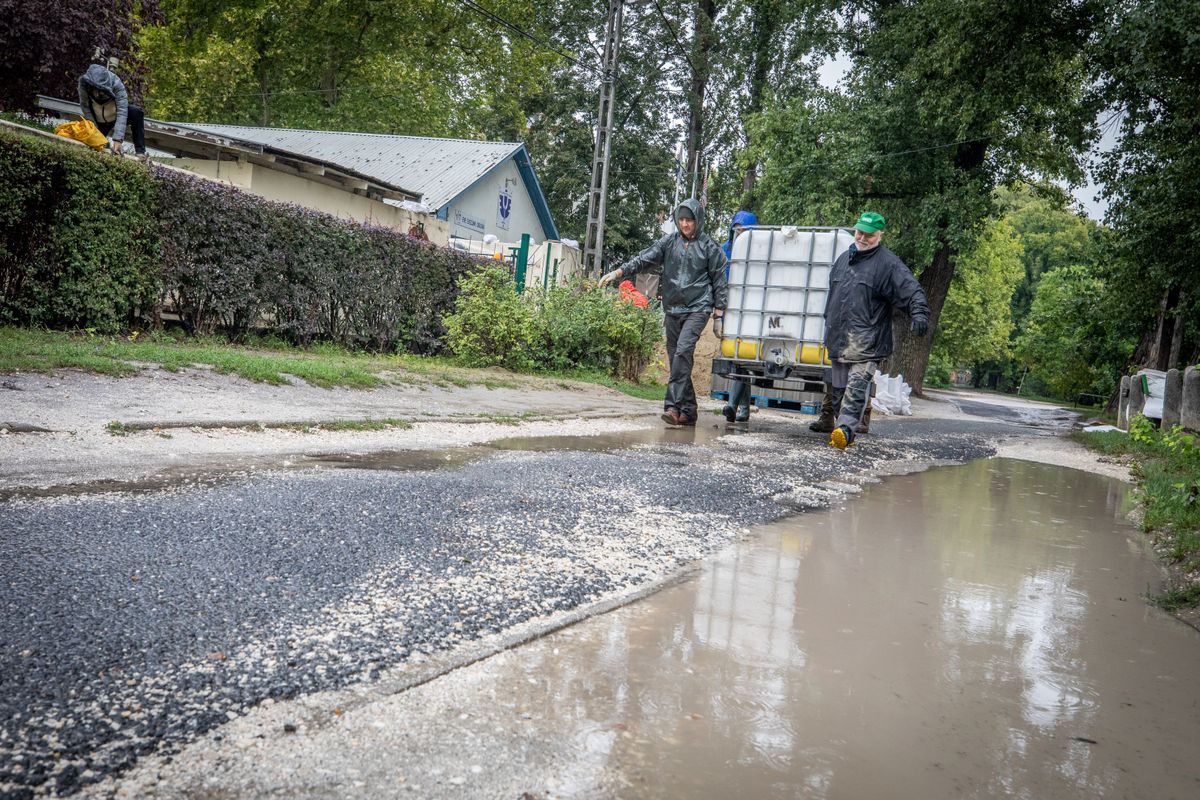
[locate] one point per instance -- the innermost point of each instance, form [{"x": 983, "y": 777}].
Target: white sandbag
[
  {"x": 1156, "y": 385},
  {"x": 892, "y": 395}
]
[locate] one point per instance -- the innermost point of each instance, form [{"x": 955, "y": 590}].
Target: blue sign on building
[{"x": 504, "y": 209}]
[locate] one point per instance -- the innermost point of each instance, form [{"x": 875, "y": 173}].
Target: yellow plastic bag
[{"x": 85, "y": 131}]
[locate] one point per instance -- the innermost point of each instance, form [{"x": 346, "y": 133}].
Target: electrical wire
[
  {"x": 471, "y": 4},
  {"x": 682, "y": 50}
]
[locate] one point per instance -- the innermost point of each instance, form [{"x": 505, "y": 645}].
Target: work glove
[
  {"x": 718, "y": 325},
  {"x": 116, "y": 145},
  {"x": 610, "y": 277},
  {"x": 920, "y": 326}
]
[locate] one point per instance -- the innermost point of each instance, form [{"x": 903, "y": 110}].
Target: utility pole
[{"x": 593, "y": 245}]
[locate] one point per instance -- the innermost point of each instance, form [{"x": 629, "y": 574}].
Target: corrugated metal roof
[{"x": 440, "y": 169}]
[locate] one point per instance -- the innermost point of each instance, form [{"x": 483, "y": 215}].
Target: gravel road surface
[{"x": 132, "y": 622}]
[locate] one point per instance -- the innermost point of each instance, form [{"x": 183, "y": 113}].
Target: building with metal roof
[{"x": 477, "y": 187}]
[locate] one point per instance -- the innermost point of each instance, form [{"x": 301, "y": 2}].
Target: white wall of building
[
  {"x": 272, "y": 184},
  {"x": 477, "y": 212}
]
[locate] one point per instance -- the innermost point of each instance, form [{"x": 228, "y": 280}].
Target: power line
[
  {"x": 471, "y": 4},
  {"x": 682, "y": 50}
]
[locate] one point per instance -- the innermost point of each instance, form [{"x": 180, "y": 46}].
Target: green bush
[
  {"x": 491, "y": 324},
  {"x": 87, "y": 241},
  {"x": 557, "y": 329},
  {"x": 78, "y": 236},
  {"x": 937, "y": 373}
]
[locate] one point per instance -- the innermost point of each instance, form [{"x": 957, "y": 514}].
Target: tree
[
  {"x": 1063, "y": 333},
  {"x": 1051, "y": 235},
  {"x": 48, "y": 45},
  {"x": 422, "y": 67},
  {"x": 947, "y": 99},
  {"x": 977, "y": 318},
  {"x": 1149, "y": 54}
]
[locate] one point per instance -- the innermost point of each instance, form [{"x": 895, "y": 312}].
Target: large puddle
[{"x": 973, "y": 631}]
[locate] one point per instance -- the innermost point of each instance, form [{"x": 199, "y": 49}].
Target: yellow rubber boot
[{"x": 841, "y": 438}]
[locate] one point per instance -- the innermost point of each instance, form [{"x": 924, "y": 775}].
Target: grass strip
[
  {"x": 271, "y": 361},
  {"x": 1166, "y": 470}
]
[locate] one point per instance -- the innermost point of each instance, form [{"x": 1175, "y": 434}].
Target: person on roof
[
  {"x": 103, "y": 100},
  {"x": 865, "y": 283},
  {"x": 737, "y": 409},
  {"x": 694, "y": 286}
]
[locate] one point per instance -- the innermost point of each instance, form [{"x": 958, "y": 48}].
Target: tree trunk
[
  {"x": 701, "y": 56},
  {"x": 1164, "y": 331},
  {"x": 764, "y": 24},
  {"x": 911, "y": 355},
  {"x": 1141, "y": 357},
  {"x": 1176, "y": 352}
]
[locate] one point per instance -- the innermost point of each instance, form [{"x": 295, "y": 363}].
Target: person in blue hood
[
  {"x": 103, "y": 100},
  {"x": 741, "y": 220},
  {"x": 737, "y": 409}
]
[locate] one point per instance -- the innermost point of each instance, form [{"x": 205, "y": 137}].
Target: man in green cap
[{"x": 865, "y": 284}]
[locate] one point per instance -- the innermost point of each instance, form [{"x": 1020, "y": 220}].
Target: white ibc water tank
[{"x": 778, "y": 282}]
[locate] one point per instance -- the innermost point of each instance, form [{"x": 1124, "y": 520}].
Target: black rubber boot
[{"x": 828, "y": 419}]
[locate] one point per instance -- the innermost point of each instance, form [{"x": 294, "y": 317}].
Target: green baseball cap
[{"x": 870, "y": 222}]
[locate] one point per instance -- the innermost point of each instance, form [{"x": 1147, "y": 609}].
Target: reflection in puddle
[{"x": 970, "y": 631}]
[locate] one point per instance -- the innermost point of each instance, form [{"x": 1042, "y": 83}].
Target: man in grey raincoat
[
  {"x": 694, "y": 286},
  {"x": 103, "y": 100},
  {"x": 866, "y": 282}
]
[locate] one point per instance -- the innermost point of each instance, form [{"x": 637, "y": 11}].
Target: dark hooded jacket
[
  {"x": 863, "y": 289},
  {"x": 744, "y": 218},
  {"x": 693, "y": 271},
  {"x": 102, "y": 98}
]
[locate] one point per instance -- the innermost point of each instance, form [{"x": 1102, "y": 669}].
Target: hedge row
[{"x": 88, "y": 241}]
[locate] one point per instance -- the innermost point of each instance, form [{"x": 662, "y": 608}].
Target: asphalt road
[{"x": 130, "y": 623}]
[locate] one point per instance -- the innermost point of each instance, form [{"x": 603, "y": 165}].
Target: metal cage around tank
[{"x": 775, "y": 319}]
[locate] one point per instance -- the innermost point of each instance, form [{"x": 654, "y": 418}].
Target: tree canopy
[{"x": 955, "y": 119}]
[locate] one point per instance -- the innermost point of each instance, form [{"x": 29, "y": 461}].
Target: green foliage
[
  {"x": 977, "y": 319},
  {"x": 1063, "y": 331},
  {"x": 1166, "y": 470},
  {"x": 1149, "y": 56},
  {"x": 1141, "y": 430},
  {"x": 1051, "y": 235},
  {"x": 347, "y": 65},
  {"x": 78, "y": 239},
  {"x": 560, "y": 330},
  {"x": 88, "y": 241},
  {"x": 940, "y": 366},
  {"x": 579, "y": 327},
  {"x": 491, "y": 324}
]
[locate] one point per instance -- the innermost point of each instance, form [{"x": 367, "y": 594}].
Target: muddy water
[{"x": 970, "y": 631}]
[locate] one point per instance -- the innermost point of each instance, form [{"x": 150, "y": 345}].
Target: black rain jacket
[
  {"x": 863, "y": 289},
  {"x": 693, "y": 271}
]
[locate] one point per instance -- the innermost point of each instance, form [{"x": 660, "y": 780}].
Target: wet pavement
[
  {"x": 132, "y": 623},
  {"x": 974, "y": 631}
]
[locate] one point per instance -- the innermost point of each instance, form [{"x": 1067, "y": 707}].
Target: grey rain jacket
[
  {"x": 863, "y": 289},
  {"x": 102, "y": 98},
  {"x": 693, "y": 271}
]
